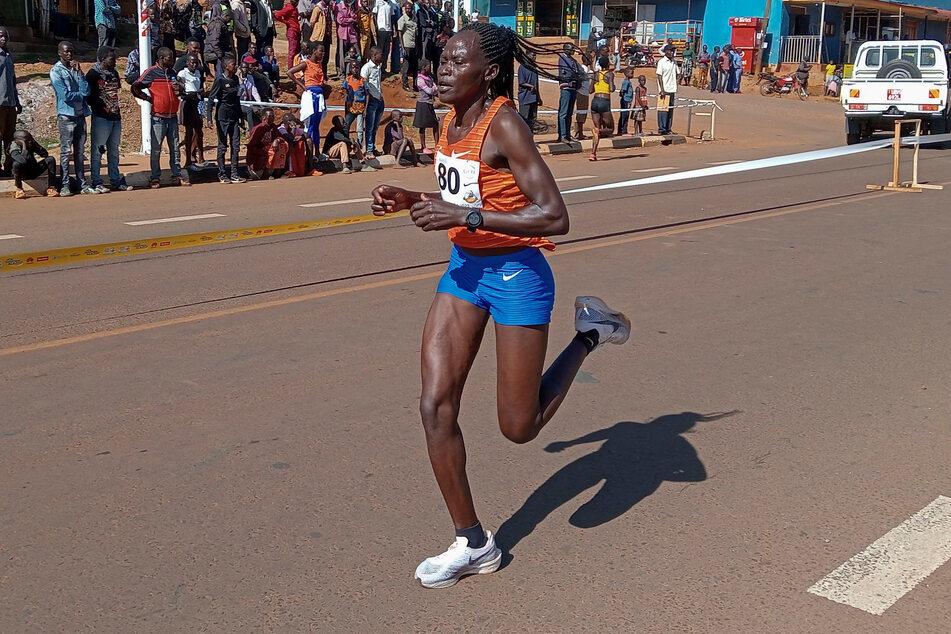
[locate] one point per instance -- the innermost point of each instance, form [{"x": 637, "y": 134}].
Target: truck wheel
[
  {"x": 851, "y": 139},
  {"x": 899, "y": 69},
  {"x": 938, "y": 125}
]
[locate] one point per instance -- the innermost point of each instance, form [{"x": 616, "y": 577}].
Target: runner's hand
[
  {"x": 388, "y": 199},
  {"x": 433, "y": 214}
]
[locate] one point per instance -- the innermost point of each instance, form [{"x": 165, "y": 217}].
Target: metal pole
[
  {"x": 878, "y": 35},
  {"x": 851, "y": 35},
  {"x": 822, "y": 31},
  {"x": 145, "y": 60},
  {"x": 758, "y": 67},
  {"x": 899, "y": 24}
]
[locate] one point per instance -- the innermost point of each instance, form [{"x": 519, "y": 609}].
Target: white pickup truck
[{"x": 896, "y": 80}]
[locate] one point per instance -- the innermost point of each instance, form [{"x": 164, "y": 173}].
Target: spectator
[
  {"x": 262, "y": 23},
  {"x": 300, "y": 157},
  {"x": 9, "y": 101},
  {"x": 356, "y": 102},
  {"x": 267, "y": 149},
  {"x": 192, "y": 78},
  {"x": 218, "y": 41},
  {"x": 640, "y": 104},
  {"x": 723, "y": 68},
  {"x": 311, "y": 81},
  {"x": 23, "y": 150},
  {"x": 366, "y": 28},
  {"x": 666, "y": 90},
  {"x": 569, "y": 74},
  {"x": 163, "y": 93},
  {"x": 371, "y": 72},
  {"x": 192, "y": 47},
  {"x": 304, "y": 9},
  {"x": 408, "y": 28},
  {"x": 248, "y": 91},
  {"x": 425, "y": 109},
  {"x": 627, "y": 98},
  {"x": 686, "y": 69},
  {"x": 616, "y": 50},
  {"x": 338, "y": 144},
  {"x": 426, "y": 21},
  {"x": 442, "y": 39},
  {"x": 528, "y": 98},
  {"x": 385, "y": 29},
  {"x": 193, "y": 15},
  {"x": 346, "y": 31},
  {"x": 242, "y": 26},
  {"x": 715, "y": 69},
  {"x": 289, "y": 17},
  {"x": 105, "y": 125},
  {"x": 395, "y": 141},
  {"x": 319, "y": 21},
  {"x": 224, "y": 103},
  {"x": 327, "y": 30},
  {"x": 703, "y": 61},
  {"x": 584, "y": 93},
  {"x": 736, "y": 69},
  {"x": 155, "y": 29},
  {"x": 106, "y": 12},
  {"x": 168, "y": 23},
  {"x": 271, "y": 68},
  {"x": 396, "y": 47},
  {"x": 71, "y": 90}
]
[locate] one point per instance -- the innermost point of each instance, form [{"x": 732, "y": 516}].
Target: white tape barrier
[{"x": 775, "y": 161}]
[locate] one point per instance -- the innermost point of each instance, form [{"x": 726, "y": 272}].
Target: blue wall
[
  {"x": 676, "y": 10},
  {"x": 503, "y": 12}
]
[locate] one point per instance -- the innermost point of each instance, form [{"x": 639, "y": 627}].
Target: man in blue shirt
[
  {"x": 569, "y": 73},
  {"x": 71, "y": 90},
  {"x": 528, "y": 97},
  {"x": 106, "y": 13}
]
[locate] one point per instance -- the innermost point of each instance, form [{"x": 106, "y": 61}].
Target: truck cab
[{"x": 894, "y": 80}]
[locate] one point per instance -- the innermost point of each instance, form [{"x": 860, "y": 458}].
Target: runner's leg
[{"x": 451, "y": 339}]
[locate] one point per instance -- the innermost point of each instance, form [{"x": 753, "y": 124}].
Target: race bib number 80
[{"x": 458, "y": 180}]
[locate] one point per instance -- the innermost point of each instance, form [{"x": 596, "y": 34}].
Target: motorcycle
[
  {"x": 639, "y": 56},
  {"x": 770, "y": 84}
]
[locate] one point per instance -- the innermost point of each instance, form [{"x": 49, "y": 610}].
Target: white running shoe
[
  {"x": 591, "y": 313},
  {"x": 446, "y": 569}
]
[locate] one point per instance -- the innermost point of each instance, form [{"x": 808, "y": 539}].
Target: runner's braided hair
[{"x": 502, "y": 46}]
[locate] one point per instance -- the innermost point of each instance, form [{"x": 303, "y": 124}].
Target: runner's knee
[
  {"x": 520, "y": 429},
  {"x": 438, "y": 413}
]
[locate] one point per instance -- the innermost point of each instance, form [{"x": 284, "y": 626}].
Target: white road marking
[
  {"x": 573, "y": 178},
  {"x": 724, "y": 162},
  {"x": 330, "y": 203},
  {"x": 10, "y": 236},
  {"x": 653, "y": 169},
  {"x": 158, "y": 221},
  {"x": 884, "y": 572}
]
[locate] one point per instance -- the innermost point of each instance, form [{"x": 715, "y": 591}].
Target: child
[
  {"x": 627, "y": 97},
  {"x": 640, "y": 104},
  {"x": 23, "y": 151},
  {"x": 352, "y": 57},
  {"x": 356, "y": 103},
  {"x": 425, "y": 110},
  {"x": 311, "y": 80},
  {"x": 192, "y": 79},
  {"x": 300, "y": 158},
  {"x": 228, "y": 120},
  {"x": 395, "y": 142}
]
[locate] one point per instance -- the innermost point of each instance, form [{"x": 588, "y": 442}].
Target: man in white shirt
[
  {"x": 374, "y": 110},
  {"x": 667, "y": 74},
  {"x": 385, "y": 28}
]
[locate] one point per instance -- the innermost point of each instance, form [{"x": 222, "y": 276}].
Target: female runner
[
  {"x": 602, "y": 121},
  {"x": 498, "y": 200}
]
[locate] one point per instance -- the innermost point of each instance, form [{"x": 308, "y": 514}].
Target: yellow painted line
[
  {"x": 55, "y": 343},
  {"x": 59, "y": 257}
]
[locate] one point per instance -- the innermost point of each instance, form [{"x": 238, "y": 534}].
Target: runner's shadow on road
[{"x": 633, "y": 461}]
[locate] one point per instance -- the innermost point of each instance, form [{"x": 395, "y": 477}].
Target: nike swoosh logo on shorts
[{"x": 506, "y": 278}]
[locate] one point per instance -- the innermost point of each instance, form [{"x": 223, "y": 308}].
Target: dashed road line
[
  {"x": 158, "y": 221},
  {"x": 653, "y": 169},
  {"x": 330, "y": 203},
  {"x": 10, "y": 236},
  {"x": 724, "y": 162},
  {"x": 894, "y": 564}
]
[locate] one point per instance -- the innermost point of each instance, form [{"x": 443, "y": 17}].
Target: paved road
[{"x": 226, "y": 438}]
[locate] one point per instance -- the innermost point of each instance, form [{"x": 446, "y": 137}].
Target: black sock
[
  {"x": 589, "y": 339},
  {"x": 474, "y": 534}
]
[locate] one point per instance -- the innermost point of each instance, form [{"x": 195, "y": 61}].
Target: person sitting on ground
[
  {"x": 338, "y": 144},
  {"x": 193, "y": 81},
  {"x": 425, "y": 117},
  {"x": 267, "y": 149},
  {"x": 300, "y": 158},
  {"x": 23, "y": 151},
  {"x": 396, "y": 143},
  {"x": 356, "y": 102}
]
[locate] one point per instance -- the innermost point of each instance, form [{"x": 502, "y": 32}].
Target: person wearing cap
[
  {"x": 666, "y": 89},
  {"x": 105, "y": 124}
]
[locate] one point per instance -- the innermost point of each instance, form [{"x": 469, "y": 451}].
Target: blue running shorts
[{"x": 518, "y": 289}]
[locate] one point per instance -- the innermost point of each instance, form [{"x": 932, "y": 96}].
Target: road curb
[{"x": 617, "y": 143}]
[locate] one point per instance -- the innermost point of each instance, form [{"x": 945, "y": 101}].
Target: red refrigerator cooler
[{"x": 745, "y": 39}]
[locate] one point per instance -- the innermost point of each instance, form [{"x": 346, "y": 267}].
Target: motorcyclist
[{"x": 802, "y": 73}]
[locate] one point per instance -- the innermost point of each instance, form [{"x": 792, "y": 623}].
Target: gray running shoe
[
  {"x": 442, "y": 571},
  {"x": 591, "y": 313}
]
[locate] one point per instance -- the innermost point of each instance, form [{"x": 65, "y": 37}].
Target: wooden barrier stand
[{"x": 908, "y": 186}]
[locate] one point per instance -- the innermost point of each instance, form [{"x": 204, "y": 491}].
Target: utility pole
[{"x": 758, "y": 66}]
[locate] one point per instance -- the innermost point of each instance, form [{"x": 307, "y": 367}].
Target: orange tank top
[
  {"x": 465, "y": 180},
  {"x": 313, "y": 74}
]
